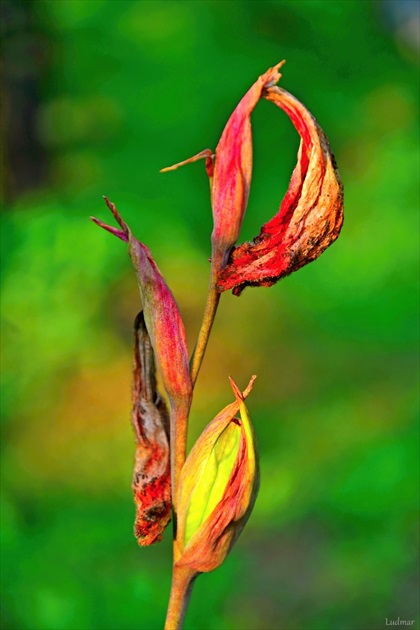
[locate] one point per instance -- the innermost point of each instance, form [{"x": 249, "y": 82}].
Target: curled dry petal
[
  {"x": 310, "y": 216},
  {"x": 152, "y": 473},
  {"x": 218, "y": 486}
]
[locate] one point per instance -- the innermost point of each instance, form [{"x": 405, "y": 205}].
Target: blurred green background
[{"x": 98, "y": 96}]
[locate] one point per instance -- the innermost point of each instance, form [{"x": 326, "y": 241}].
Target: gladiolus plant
[{"x": 210, "y": 494}]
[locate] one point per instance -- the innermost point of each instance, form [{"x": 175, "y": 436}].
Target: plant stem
[
  {"x": 213, "y": 298},
  {"x": 182, "y": 583},
  {"x": 183, "y": 577},
  {"x": 178, "y": 445}
]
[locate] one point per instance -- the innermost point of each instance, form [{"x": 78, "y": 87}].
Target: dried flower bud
[
  {"x": 165, "y": 328},
  {"x": 310, "y": 216},
  {"x": 233, "y": 170},
  {"x": 152, "y": 474},
  {"x": 217, "y": 489},
  {"x": 230, "y": 169},
  {"x": 161, "y": 314}
]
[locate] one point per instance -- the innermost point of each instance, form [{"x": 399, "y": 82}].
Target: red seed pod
[{"x": 152, "y": 474}]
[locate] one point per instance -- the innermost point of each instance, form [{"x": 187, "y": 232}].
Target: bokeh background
[{"x": 98, "y": 95}]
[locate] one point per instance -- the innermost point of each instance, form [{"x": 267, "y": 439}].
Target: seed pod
[
  {"x": 152, "y": 475},
  {"x": 218, "y": 487}
]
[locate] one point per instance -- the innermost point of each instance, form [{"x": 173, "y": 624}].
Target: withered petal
[{"x": 152, "y": 472}]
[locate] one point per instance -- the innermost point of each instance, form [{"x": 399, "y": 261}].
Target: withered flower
[
  {"x": 310, "y": 216},
  {"x": 152, "y": 472},
  {"x": 218, "y": 486}
]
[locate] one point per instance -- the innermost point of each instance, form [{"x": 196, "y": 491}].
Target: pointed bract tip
[
  {"x": 206, "y": 153},
  {"x": 116, "y": 215},
  {"x": 115, "y": 231},
  {"x": 280, "y": 64},
  {"x": 168, "y": 168},
  {"x": 273, "y": 76},
  {"x": 250, "y": 385},
  {"x": 240, "y": 396},
  {"x": 236, "y": 390}
]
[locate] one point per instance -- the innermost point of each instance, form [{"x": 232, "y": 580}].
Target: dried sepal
[{"x": 152, "y": 474}]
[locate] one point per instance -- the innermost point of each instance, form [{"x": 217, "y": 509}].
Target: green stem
[
  {"x": 213, "y": 298},
  {"x": 182, "y": 583}
]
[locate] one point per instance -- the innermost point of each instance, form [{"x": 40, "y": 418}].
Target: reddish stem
[{"x": 182, "y": 583}]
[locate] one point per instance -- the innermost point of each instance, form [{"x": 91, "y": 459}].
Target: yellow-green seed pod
[{"x": 218, "y": 486}]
